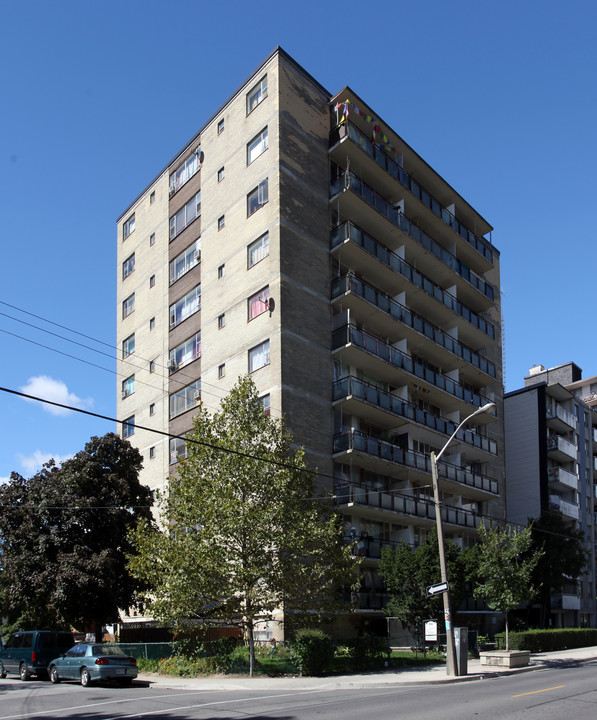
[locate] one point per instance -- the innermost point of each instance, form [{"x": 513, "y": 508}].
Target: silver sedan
[{"x": 88, "y": 663}]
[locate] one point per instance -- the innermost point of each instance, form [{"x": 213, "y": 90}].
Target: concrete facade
[{"x": 384, "y": 331}]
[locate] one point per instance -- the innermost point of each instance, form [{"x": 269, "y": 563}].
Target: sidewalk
[{"x": 381, "y": 678}]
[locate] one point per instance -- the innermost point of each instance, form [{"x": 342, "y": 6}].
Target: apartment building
[
  {"x": 551, "y": 460},
  {"x": 298, "y": 238}
]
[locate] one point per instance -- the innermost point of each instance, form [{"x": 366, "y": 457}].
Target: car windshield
[{"x": 106, "y": 650}]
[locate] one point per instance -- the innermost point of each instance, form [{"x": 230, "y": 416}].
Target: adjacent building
[
  {"x": 551, "y": 460},
  {"x": 297, "y": 237}
]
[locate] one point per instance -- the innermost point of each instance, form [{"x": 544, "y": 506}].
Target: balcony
[
  {"x": 387, "y": 357},
  {"x": 560, "y": 449},
  {"x": 562, "y": 601},
  {"x": 350, "y": 131},
  {"x": 385, "y": 402},
  {"x": 559, "y": 419},
  {"x": 566, "y": 508},
  {"x": 350, "y": 181},
  {"x": 349, "y": 283},
  {"x": 559, "y": 476},
  {"x": 406, "y": 505},
  {"x": 356, "y": 441}
]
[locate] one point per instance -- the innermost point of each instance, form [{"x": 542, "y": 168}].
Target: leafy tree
[
  {"x": 408, "y": 572},
  {"x": 506, "y": 567},
  {"x": 64, "y": 537},
  {"x": 562, "y": 561},
  {"x": 245, "y": 534}
]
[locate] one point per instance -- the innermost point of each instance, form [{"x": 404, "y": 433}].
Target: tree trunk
[{"x": 251, "y": 648}]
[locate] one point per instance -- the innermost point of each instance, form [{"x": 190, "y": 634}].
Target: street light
[{"x": 451, "y": 663}]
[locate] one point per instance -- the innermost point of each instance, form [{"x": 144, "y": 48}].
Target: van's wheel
[
  {"x": 24, "y": 673},
  {"x": 85, "y": 677},
  {"x": 54, "y": 675},
  {"x": 2, "y": 670}
]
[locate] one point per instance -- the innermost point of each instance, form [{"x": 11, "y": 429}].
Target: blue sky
[{"x": 96, "y": 97}]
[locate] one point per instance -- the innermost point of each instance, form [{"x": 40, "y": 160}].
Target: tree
[
  {"x": 64, "y": 538},
  {"x": 562, "y": 561},
  {"x": 506, "y": 567},
  {"x": 244, "y": 531},
  {"x": 408, "y": 572}
]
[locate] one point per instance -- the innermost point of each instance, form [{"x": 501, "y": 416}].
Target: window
[
  {"x": 152, "y": 366},
  {"x": 128, "y": 306},
  {"x": 257, "y": 94},
  {"x": 185, "y": 171},
  {"x": 178, "y": 449},
  {"x": 185, "y": 261},
  {"x": 185, "y": 216},
  {"x": 259, "y": 356},
  {"x": 220, "y": 126},
  {"x": 152, "y": 324},
  {"x": 221, "y": 222},
  {"x": 152, "y": 281},
  {"x": 186, "y": 352},
  {"x": 152, "y": 239},
  {"x": 258, "y": 303},
  {"x": 128, "y": 346},
  {"x": 221, "y": 321},
  {"x": 128, "y": 386},
  {"x": 221, "y": 271},
  {"x": 152, "y": 198},
  {"x": 258, "y": 250},
  {"x": 186, "y": 306},
  {"x": 128, "y": 226},
  {"x": 152, "y": 409},
  {"x": 222, "y": 370},
  {"x": 186, "y": 398},
  {"x": 128, "y": 266},
  {"x": 264, "y": 400},
  {"x": 152, "y": 452},
  {"x": 128, "y": 427},
  {"x": 220, "y": 174},
  {"x": 257, "y": 198},
  {"x": 257, "y": 146}
]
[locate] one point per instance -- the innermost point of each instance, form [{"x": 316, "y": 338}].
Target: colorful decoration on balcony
[{"x": 368, "y": 118}]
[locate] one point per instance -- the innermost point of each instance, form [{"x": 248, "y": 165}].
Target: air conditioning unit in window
[
  {"x": 124, "y": 394},
  {"x": 197, "y": 255},
  {"x": 172, "y": 365},
  {"x": 172, "y": 190},
  {"x": 173, "y": 457},
  {"x": 197, "y": 395}
]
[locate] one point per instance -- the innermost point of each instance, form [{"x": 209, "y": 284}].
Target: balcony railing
[
  {"x": 352, "y": 182},
  {"x": 398, "y": 173},
  {"x": 356, "y": 440},
  {"x": 566, "y": 508},
  {"x": 562, "y": 477},
  {"x": 394, "y": 262},
  {"x": 404, "y": 505},
  {"x": 402, "y": 408},
  {"x": 350, "y": 334},
  {"x": 555, "y": 442},
  {"x": 557, "y": 411},
  {"x": 350, "y": 283}
]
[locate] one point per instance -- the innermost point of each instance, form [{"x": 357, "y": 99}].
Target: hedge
[{"x": 546, "y": 640}]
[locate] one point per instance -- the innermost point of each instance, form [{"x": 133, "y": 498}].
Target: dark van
[{"x": 30, "y": 651}]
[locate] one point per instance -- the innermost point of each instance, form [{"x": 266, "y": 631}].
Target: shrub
[
  {"x": 220, "y": 654},
  {"x": 312, "y": 651},
  {"x": 546, "y": 640},
  {"x": 368, "y": 651}
]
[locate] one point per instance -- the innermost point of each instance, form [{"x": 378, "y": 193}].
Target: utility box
[{"x": 461, "y": 643}]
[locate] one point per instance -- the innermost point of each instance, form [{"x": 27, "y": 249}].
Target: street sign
[{"x": 437, "y": 589}]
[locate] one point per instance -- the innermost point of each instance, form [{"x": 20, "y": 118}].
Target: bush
[
  {"x": 368, "y": 651},
  {"x": 220, "y": 654},
  {"x": 312, "y": 651},
  {"x": 546, "y": 640}
]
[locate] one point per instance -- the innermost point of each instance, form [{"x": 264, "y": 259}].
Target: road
[{"x": 553, "y": 694}]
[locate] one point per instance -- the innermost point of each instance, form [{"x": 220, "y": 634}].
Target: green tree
[
  {"x": 245, "y": 533},
  {"x": 506, "y": 566},
  {"x": 64, "y": 538},
  {"x": 408, "y": 572},
  {"x": 563, "y": 559}
]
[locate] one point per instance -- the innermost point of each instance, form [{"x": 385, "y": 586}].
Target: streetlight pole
[{"x": 451, "y": 662}]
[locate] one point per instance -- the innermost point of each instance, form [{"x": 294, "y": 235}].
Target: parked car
[
  {"x": 29, "y": 652},
  {"x": 89, "y": 662}
]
